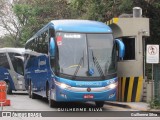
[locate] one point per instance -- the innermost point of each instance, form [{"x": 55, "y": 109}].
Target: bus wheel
[
  {"x": 9, "y": 90},
  {"x": 99, "y": 104},
  {"x": 30, "y": 88},
  {"x": 50, "y": 101}
]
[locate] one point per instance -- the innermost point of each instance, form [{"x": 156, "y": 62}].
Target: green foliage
[
  {"x": 155, "y": 104},
  {"x": 24, "y": 13},
  {"x": 91, "y": 9},
  {"x": 125, "y": 6},
  {"x": 148, "y": 71},
  {"x": 33, "y": 14},
  {"x": 101, "y": 10},
  {"x": 27, "y": 19},
  {"x": 6, "y": 41}
]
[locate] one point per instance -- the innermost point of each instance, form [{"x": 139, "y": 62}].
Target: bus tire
[
  {"x": 51, "y": 103},
  {"x": 99, "y": 104},
  {"x": 48, "y": 94},
  {"x": 30, "y": 88},
  {"x": 9, "y": 90}
]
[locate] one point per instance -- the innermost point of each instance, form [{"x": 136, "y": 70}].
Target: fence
[{"x": 156, "y": 73}]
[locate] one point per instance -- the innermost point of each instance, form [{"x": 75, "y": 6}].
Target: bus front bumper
[{"x": 59, "y": 94}]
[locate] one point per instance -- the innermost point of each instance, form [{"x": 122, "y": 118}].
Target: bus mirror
[
  {"x": 121, "y": 48},
  {"x": 52, "y": 47}
]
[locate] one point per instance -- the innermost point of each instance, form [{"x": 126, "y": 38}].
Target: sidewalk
[{"x": 140, "y": 106}]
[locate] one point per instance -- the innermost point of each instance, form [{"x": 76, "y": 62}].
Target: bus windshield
[{"x": 85, "y": 55}]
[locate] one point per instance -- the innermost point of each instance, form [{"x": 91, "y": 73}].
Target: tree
[
  {"x": 90, "y": 9},
  {"x": 6, "y": 41},
  {"x": 101, "y": 10},
  {"x": 33, "y": 14},
  {"x": 9, "y": 23},
  {"x": 25, "y": 17}
]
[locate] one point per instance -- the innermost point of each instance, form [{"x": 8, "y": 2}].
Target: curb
[
  {"x": 126, "y": 106},
  {"x": 118, "y": 104},
  {"x": 154, "y": 111},
  {"x": 132, "y": 107}
]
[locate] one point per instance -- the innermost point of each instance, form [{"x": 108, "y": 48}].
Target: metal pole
[
  {"x": 152, "y": 84},
  {"x": 144, "y": 58}
]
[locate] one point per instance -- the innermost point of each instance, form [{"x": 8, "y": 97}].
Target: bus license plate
[{"x": 88, "y": 96}]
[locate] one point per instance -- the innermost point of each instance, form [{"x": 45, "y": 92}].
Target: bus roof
[
  {"x": 82, "y": 26},
  {"x": 14, "y": 50},
  {"x": 86, "y": 26}
]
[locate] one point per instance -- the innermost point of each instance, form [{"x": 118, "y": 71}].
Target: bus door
[
  {"x": 43, "y": 73},
  {"x": 18, "y": 72}
]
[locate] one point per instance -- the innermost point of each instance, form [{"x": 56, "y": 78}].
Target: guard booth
[{"x": 132, "y": 30}]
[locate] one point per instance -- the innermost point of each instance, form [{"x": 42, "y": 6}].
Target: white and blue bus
[
  {"x": 73, "y": 60},
  {"x": 12, "y": 68}
]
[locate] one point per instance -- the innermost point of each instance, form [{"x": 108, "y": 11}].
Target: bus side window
[
  {"x": 44, "y": 43},
  {"x": 4, "y": 61},
  {"x": 18, "y": 66},
  {"x": 41, "y": 43}
]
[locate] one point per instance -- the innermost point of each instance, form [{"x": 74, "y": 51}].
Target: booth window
[{"x": 129, "y": 43}]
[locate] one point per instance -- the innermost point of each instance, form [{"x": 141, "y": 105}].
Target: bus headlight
[
  {"x": 112, "y": 86},
  {"x": 62, "y": 85}
]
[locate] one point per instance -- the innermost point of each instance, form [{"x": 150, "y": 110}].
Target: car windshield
[{"x": 85, "y": 55}]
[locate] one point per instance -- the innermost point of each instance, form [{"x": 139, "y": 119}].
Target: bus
[
  {"x": 12, "y": 68},
  {"x": 73, "y": 60}
]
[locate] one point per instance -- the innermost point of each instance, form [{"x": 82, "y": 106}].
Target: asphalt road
[{"x": 21, "y": 103}]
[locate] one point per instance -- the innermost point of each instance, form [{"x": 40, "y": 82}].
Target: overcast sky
[{"x": 2, "y": 30}]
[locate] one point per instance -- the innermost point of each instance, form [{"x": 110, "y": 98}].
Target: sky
[{"x": 2, "y": 30}]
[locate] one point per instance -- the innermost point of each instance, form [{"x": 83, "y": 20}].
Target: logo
[
  {"x": 6, "y": 114},
  {"x": 89, "y": 84},
  {"x": 21, "y": 114},
  {"x": 41, "y": 63},
  {"x": 72, "y": 36},
  {"x": 88, "y": 89}
]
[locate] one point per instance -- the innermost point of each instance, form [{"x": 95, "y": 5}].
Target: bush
[{"x": 155, "y": 104}]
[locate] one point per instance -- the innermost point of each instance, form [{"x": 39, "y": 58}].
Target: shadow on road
[
  {"x": 63, "y": 105},
  {"x": 19, "y": 93}
]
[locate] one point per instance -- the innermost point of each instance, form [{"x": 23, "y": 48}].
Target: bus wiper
[
  {"x": 77, "y": 68},
  {"x": 98, "y": 66}
]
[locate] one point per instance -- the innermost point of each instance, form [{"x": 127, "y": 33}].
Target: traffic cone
[{"x": 3, "y": 94}]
